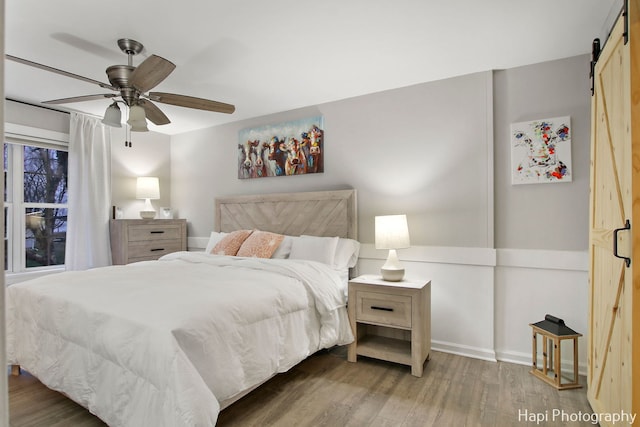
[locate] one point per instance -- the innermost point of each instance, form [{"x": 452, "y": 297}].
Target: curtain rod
[{"x": 36, "y": 105}]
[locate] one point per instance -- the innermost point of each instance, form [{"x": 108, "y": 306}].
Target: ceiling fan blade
[
  {"x": 81, "y": 98},
  {"x": 150, "y": 72},
  {"x": 153, "y": 113},
  {"x": 191, "y": 102},
  {"x": 57, "y": 71}
]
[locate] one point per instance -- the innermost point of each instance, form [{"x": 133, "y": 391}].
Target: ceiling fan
[{"x": 132, "y": 85}]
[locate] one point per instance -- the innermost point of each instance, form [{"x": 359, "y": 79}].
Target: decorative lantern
[{"x": 547, "y": 352}]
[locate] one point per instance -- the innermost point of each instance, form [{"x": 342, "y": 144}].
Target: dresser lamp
[
  {"x": 147, "y": 188},
  {"x": 392, "y": 233}
]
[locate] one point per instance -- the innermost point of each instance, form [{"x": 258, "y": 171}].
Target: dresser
[
  {"x": 391, "y": 320},
  {"x": 135, "y": 240}
]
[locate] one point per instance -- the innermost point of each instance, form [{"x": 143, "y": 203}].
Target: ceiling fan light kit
[
  {"x": 137, "y": 119},
  {"x": 132, "y": 84},
  {"x": 113, "y": 116}
]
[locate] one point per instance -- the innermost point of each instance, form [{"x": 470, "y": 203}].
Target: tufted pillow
[
  {"x": 260, "y": 244},
  {"x": 230, "y": 243}
]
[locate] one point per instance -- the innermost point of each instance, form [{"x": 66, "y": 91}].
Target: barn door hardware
[
  {"x": 595, "y": 54},
  {"x": 627, "y": 226},
  {"x": 625, "y": 16}
]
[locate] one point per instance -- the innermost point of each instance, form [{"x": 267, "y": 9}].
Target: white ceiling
[{"x": 270, "y": 56}]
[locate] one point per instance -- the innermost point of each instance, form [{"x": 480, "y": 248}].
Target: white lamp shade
[
  {"x": 391, "y": 232},
  {"x": 137, "y": 119},
  {"x": 148, "y": 187},
  {"x": 113, "y": 116}
]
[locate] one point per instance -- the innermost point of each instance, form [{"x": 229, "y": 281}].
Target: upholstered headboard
[{"x": 316, "y": 213}]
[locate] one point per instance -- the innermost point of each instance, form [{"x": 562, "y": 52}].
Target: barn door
[{"x": 611, "y": 313}]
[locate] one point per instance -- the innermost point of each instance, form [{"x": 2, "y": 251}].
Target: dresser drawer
[
  {"x": 153, "y": 249},
  {"x": 383, "y": 309},
  {"x": 146, "y": 233}
]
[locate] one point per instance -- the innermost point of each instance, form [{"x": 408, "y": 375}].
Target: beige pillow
[
  {"x": 261, "y": 244},
  {"x": 230, "y": 243}
]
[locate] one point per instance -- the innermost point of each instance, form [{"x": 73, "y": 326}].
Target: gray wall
[
  {"x": 432, "y": 151},
  {"x": 420, "y": 150},
  {"x": 543, "y": 216}
]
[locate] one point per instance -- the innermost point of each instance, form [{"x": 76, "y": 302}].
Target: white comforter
[{"x": 161, "y": 343}]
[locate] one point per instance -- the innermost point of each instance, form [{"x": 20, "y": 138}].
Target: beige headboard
[{"x": 316, "y": 213}]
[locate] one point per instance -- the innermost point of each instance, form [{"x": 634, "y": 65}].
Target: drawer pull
[
  {"x": 157, "y": 232},
  {"x": 375, "y": 307},
  {"x": 157, "y": 249}
]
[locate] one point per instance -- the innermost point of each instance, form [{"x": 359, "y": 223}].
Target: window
[{"x": 35, "y": 196}]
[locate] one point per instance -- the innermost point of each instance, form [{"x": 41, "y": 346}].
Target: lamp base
[
  {"x": 147, "y": 214},
  {"x": 392, "y": 275},
  {"x": 392, "y": 270}
]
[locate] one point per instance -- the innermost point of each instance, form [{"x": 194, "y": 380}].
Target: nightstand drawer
[
  {"x": 383, "y": 309},
  {"x": 145, "y": 233}
]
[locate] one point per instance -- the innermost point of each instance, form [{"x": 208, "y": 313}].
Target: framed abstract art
[{"x": 541, "y": 151}]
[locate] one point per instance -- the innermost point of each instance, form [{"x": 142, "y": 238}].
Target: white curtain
[{"x": 89, "y": 194}]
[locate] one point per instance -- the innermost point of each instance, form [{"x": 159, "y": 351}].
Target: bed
[{"x": 174, "y": 341}]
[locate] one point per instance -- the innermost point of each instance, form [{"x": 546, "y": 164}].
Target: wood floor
[{"x": 326, "y": 390}]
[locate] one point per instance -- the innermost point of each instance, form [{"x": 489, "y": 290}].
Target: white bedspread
[{"x": 160, "y": 343}]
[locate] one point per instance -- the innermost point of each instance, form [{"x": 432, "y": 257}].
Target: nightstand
[
  {"x": 135, "y": 240},
  {"x": 391, "y": 320}
]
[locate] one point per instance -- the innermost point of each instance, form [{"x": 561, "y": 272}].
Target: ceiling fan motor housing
[{"x": 119, "y": 78}]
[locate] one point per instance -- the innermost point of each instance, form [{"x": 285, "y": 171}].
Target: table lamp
[
  {"x": 392, "y": 233},
  {"x": 147, "y": 188}
]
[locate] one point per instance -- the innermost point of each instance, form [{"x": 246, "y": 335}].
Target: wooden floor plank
[{"x": 326, "y": 390}]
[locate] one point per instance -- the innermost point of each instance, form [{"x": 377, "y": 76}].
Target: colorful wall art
[
  {"x": 287, "y": 148},
  {"x": 541, "y": 151}
]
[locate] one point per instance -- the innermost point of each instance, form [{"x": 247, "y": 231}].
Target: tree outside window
[
  {"x": 45, "y": 182},
  {"x": 42, "y": 182}
]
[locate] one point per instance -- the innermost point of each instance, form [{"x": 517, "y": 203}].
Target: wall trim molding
[
  {"x": 435, "y": 254},
  {"x": 545, "y": 259},
  {"x": 488, "y": 257}
]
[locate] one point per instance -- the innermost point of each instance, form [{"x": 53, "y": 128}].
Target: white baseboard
[
  {"x": 525, "y": 359},
  {"x": 464, "y": 350}
]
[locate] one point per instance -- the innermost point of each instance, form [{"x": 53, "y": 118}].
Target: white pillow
[
  {"x": 346, "y": 254},
  {"x": 214, "y": 238},
  {"x": 321, "y": 249},
  {"x": 284, "y": 249}
]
